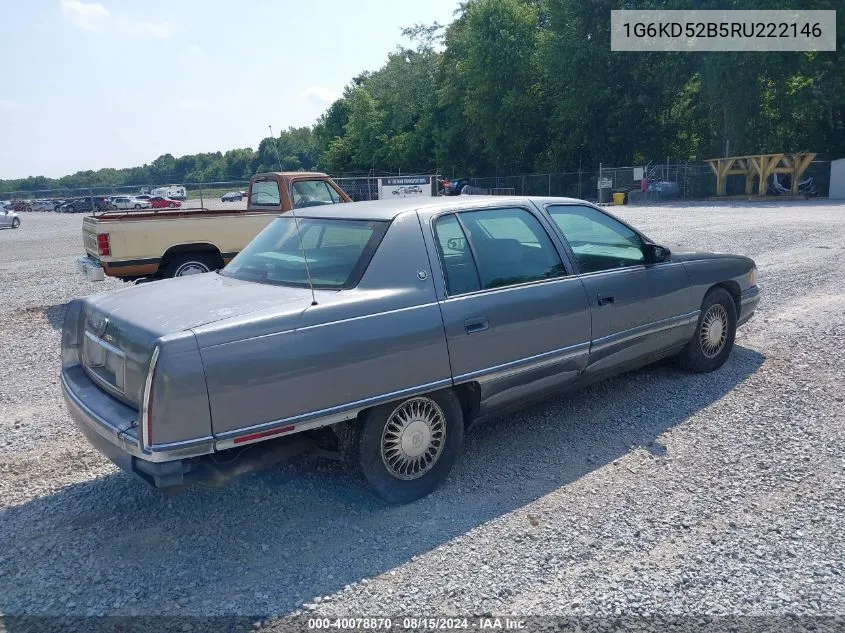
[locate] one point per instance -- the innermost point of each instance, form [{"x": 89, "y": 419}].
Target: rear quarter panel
[
  {"x": 180, "y": 403},
  {"x": 381, "y": 340}
]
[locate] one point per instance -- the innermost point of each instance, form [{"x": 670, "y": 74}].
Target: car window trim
[
  {"x": 565, "y": 259},
  {"x": 583, "y": 203},
  {"x": 518, "y": 286}
]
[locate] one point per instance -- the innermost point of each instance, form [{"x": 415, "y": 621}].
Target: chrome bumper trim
[
  {"x": 752, "y": 295},
  {"x": 126, "y": 443}
]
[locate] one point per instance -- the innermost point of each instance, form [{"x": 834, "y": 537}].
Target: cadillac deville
[{"x": 380, "y": 331}]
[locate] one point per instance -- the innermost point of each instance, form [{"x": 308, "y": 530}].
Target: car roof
[{"x": 389, "y": 209}]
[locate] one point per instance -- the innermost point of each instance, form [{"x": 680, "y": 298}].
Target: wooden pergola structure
[{"x": 761, "y": 166}]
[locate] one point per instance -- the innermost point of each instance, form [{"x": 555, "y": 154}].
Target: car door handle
[
  {"x": 476, "y": 325},
  {"x": 604, "y": 300}
]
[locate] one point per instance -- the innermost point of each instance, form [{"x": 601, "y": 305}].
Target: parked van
[{"x": 176, "y": 192}]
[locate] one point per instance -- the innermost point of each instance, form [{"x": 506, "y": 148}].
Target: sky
[{"x": 117, "y": 83}]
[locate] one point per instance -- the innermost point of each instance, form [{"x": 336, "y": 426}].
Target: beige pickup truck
[{"x": 154, "y": 244}]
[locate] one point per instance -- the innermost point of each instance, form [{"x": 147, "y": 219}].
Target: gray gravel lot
[{"x": 656, "y": 492}]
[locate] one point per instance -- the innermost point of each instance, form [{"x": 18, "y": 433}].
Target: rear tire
[
  {"x": 137, "y": 206},
  {"x": 16, "y": 223},
  {"x": 404, "y": 450},
  {"x": 713, "y": 339},
  {"x": 191, "y": 264}
]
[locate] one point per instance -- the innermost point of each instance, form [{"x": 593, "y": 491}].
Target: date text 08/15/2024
[{"x": 418, "y": 623}]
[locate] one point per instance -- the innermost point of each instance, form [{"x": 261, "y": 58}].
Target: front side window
[
  {"x": 264, "y": 193},
  {"x": 310, "y": 193},
  {"x": 338, "y": 252},
  {"x": 495, "y": 248},
  {"x": 598, "y": 241}
]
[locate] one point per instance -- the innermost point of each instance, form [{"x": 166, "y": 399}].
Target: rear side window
[
  {"x": 458, "y": 262},
  {"x": 311, "y": 193},
  {"x": 265, "y": 193},
  {"x": 494, "y": 248}
]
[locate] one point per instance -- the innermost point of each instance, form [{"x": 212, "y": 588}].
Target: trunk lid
[{"x": 122, "y": 327}]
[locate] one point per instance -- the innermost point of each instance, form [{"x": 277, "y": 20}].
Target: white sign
[
  {"x": 639, "y": 173},
  {"x": 605, "y": 183},
  {"x": 405, "y": 187}
]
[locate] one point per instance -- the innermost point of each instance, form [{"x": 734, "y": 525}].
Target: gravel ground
[{"x": 657, "y": 492}]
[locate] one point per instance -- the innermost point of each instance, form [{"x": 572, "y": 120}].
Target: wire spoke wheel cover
[
  {"x": 714, "y": 330},
  {"x": 413, "y": 438}
]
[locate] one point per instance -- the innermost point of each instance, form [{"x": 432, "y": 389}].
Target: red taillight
[{"x": 103, "y": 244}]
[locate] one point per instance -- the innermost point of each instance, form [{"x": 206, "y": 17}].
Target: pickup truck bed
[{"x": 174, "y": 242}]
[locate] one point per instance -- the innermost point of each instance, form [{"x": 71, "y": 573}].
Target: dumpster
[{"x": 618, "y": 198}]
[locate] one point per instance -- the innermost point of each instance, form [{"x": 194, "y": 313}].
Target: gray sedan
[
  {"x": 9, "y": 218},
  {"x": 381, "y": 331}
]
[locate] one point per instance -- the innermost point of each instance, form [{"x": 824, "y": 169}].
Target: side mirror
[{"x": 656, "y": 254}]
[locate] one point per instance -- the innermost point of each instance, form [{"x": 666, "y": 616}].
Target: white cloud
[
  {"x": 8, "y": 104},
  {"x": 91, "y": 15},
  {"x": 85, "y": 15},
  {"x": 195, "y": 49},
  {"x": 161, "y": 30},
  {"x": 320, "y": 94}
]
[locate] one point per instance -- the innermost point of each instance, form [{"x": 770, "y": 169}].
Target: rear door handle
[
  {"x": 476, "y": 325},
  {"x": 604, "y": 300}
]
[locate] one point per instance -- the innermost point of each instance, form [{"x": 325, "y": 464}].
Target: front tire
[
  {"x": 713, "y": 340},
  {"x": 405, "y": 450},
  {"x": 16, "y": 223}
]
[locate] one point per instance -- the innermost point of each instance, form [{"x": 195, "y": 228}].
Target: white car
[
  {"x": 43, "y": 205},
  {"x": 127, "y": 202},
  {"x": 9, "y": 218}
]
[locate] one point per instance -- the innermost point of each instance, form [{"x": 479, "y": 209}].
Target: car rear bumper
[
  {"x": 748, "y": 304},
  {"x": 112, "y": 428},
  {"x": 92, "y": 270}
]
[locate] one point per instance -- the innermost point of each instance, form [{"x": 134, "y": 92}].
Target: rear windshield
[
  {"x": 265, "y": 193},
  {"x": 337, "y": 252}
]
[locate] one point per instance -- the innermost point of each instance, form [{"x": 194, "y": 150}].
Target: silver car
[
  {"x": 382, "y": 331},
  {"x": 9, "y": 218}
]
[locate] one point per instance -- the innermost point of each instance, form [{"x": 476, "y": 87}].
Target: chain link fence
[
  {"x": 53, "y": 232},
  {"x": 689, "y": 181}
]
